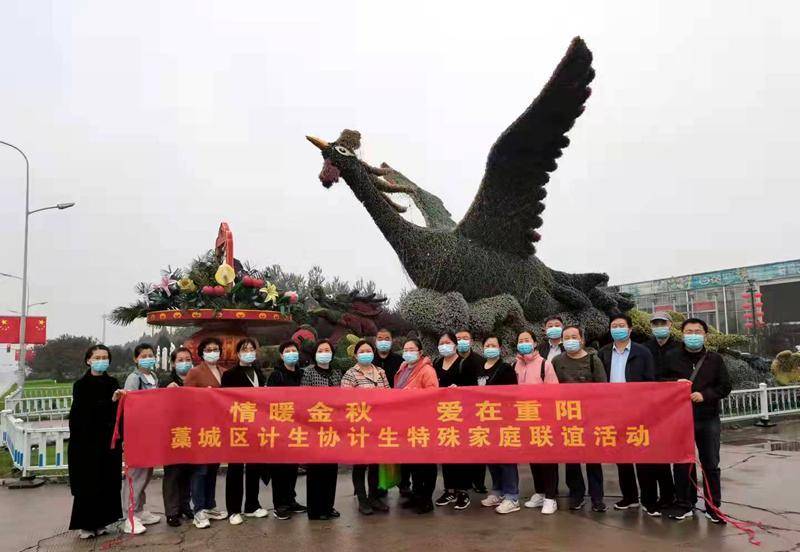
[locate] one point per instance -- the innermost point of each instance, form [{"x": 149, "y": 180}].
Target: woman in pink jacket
[
  {"x": 417, "y": 372},
  {"x": 533, "y": 369}
]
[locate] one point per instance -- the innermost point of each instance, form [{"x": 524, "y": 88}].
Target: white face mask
[{"x": 211, "y": 357}]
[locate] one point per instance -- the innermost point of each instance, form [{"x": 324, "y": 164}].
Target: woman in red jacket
[{"x": 417, "y": 372}]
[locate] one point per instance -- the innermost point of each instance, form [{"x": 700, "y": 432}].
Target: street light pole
[
  {"x": 28, "y": 213},
  {"x": 105, "y": 317}
]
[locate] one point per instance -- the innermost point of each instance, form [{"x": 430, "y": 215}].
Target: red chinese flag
[
  {"x": 35, "y": 330},
  {"x": 9, "y": 329}
]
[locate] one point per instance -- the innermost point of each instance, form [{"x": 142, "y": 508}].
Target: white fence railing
[
  {"x": 22, "y": 406},
  {"x": 761, "y": 403},
  {"x": 33, "y": 448}
]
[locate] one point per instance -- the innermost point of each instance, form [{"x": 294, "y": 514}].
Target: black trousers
[
  {"x": 371, "y": 473},
  {"x": 457, "y": 476},
  {"x": 545, "y": 479},
  {"x": 242, "y": 479},
  {"x": 662, "y": 475},
  {"x": 405, "y": 476},
  {"x": 284, "y": 479},
  {"x": 424, "y": 476},
  {"x": 707, "y": 439},
  {"x": 479, "y": 476},
  {"x": 320, "y": 488},
  {"x": 176, "y": 489},
  {"x": 576, "y": 485},
  {"x": 629, "y": 474}
]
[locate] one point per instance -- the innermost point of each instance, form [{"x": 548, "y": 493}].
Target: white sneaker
[
  {"x": 536, "y": 501},
  {"x": 84, "y": 534},
  {"x": 491, "y": 501},
  {"x": 260, "y": 513},
  {"x": 215, "y": 514},
  {"x": 236, "y": 519},
  {"x": 148, "y": 518},
  {"x": 201, "y": 520},
  {"x": 101, "y": 531},
  {"x": 137, "y": 528},
  {"x": 549, "y": 507},
  {"x": 507, "y": 506}
]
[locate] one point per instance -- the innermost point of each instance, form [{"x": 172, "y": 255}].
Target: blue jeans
[
  {"x": 204, "y": 487},
  {"x": 505, "y": 480}
]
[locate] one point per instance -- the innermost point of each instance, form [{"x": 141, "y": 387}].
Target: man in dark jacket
[
  {"x": 552, "y": 346},
  {"x": 385, "y": 357},
  {"x": 659, "y": 345},
  {"x": 706, "y": 371},
  {"x": 626, "y": 362},
  {"x": 472, "y": 362}
]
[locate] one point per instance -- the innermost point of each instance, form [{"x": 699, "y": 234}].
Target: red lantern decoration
[
  {"x": 747, "y": 306},
  {"x": 757, "y": 295},
  {"x": 746, "y": 295},
  {"x": 748, "y": 325},
  {"x": 748, "y": 315},
  {"x": 759, "y": 304}
]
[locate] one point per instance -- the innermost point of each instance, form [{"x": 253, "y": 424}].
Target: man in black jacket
[
  {"x": 626, "y": 362},
  {"x": 706, "y": 371},
  {"x": 385, "y": 358},
  {"x": 552, "y": 346},
  {"x": 659, "y": 345},
  {"x": 473, "y": 363}
]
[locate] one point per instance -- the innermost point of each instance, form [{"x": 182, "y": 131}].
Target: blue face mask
[
  {"x": 383, "y": 346},
  {"x": 183, "y": 367},
  {"x": 661, "y": 332},
  {"x": 491, "y": 352},
  {"x": 463, "y": 345},
  {"x": 410, "y": 356},
  {"x": 248, "y": 357},
  {"x": 694, "y": 342},
  {"x": 446, "y": 349},
  {"x": 572, "y": 345},
  {"x": 619, "y": 334},
  {"x": 291, "y": 357},
  {"x": 365, "y": 358},
  {"x": 100, "y": 366},
  {"x": 525, "y": 348},
  {"x": 324, "y": 358},
  {"x": 554, "y": 332},
  {"x": 211, "y": 357},
  {"x": 147, "y": 363}
]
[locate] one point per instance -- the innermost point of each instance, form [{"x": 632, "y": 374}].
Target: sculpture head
[{"x": 340, "y": 156}]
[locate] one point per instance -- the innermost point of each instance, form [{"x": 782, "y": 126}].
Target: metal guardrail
[
  {"x": 24, "y": 405},
  {"x": 29, "y": 446},
  {"x": 760, "y": 404}
]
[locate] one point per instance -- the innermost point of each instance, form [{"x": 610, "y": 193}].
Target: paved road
[{"x": 761, "y": 482}]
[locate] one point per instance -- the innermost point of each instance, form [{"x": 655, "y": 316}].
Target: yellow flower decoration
[
  {"x": 270, "y": 292},
  {"x": 225, "y": 275},
  {"x": 187, "y": 285}
]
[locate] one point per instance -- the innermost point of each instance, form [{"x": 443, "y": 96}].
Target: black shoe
[
  {"x": 174, "y": 521},
  {"x": 282, "y": 513},
  {"x": 378, "y": 504},
  {"x": 364, "y": 507},
  {"x": 480, "y": 489},
  {"x": 425, "y": 507},
  {"x": 188, "y": 515},
  {"x": 409, "y": 504},
  {"x": 405, "y": 492},
  {"x": 681, "y": 514},
  {"x": 714, "y": 518},
  {"x": 652, "y": 511},
  {"x": 599, "y": 507},
  {"x": 625, "y": 504},
  {"x": 462, "y": 501},
  {"x": 297, "y": 508},
  {"x": 576, "y": 503},
  {"x": 334, "y": 513},
  {"x": 446, "y": 498},
  {"x": 321, "y": 517}
]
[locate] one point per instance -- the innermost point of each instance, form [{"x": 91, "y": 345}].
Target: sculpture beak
[{"x": 321, "y": 144}]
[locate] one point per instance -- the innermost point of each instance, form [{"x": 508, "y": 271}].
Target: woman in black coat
[{"x": 95, "y": 469}]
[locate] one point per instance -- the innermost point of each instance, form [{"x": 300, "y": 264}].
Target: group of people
[{"x": 562, "y": 358}]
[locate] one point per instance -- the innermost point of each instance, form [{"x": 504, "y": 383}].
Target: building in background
[{"x": 722, "y": 298}]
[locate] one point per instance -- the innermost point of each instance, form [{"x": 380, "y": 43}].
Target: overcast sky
[{"x": 161, "y": 119}]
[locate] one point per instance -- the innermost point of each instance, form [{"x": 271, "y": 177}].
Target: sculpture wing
[{"x": 506, "y": 211}]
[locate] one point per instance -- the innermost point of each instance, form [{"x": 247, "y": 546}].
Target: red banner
[
  {"x": 35, "y": 329},
  {"x": 603, "y": 423}
]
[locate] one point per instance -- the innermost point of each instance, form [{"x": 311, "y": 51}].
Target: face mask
[
  {"x": 554, "y": 332},
  {"x": 463, "y": 345},
  {"x": 147, "y": 363},
  {"x": 383, "y": 346},
  {"x": 365, "y": 358},
  {"x": 100, "y": 366},
  {"x": 619, "y": 334},
  {"x": 324, "y": 358},
  {"x": 248, "y": 357},
  {"x": 661, "y": 332},
  {"x": 211, "y": 357},
  {"x": 491, "y": 352},
  {"x": 447, "y": 349},
  {"x": 572, "y": 345},
  {"x": 694, "y": 342},
  {"x": 183, "y": 367},
  {"x": 291, "y": 357},
  {"x": 525, "y": 348},
  {"x": 410, "y": 356}
]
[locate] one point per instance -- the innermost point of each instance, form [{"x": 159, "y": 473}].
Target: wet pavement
[{"x": 761, "y": 482}]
